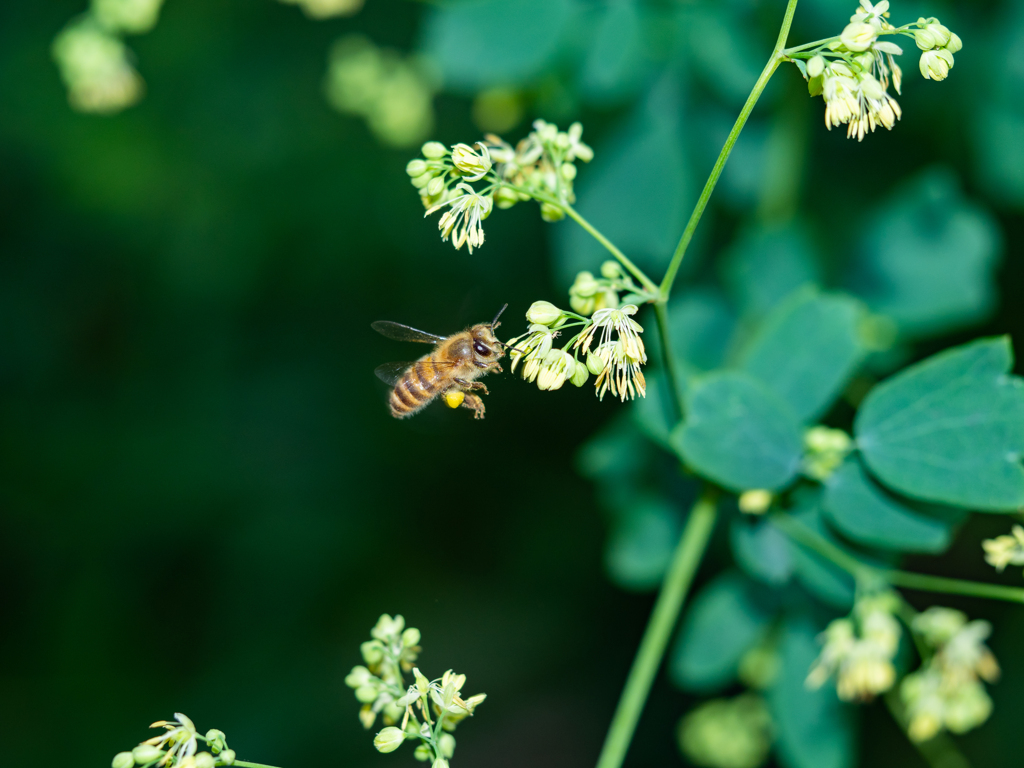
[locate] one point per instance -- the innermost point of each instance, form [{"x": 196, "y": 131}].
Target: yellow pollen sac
[{"x": 454, "y": 398}]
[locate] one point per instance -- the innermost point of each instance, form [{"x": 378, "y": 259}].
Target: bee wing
[
  {"x": 390, "y": 373},
  {"x": 401, "y": 332}
]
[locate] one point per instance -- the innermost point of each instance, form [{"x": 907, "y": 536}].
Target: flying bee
[{"x": 450, "y": 370}]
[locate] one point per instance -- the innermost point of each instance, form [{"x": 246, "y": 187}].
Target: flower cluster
[
  {"x": 426, "y": 710},
  {"x": 852, "y": 73},
  {"x": 541, "y": 167},
  {"x": 860, "y": 650},
  {"x": 94, "y": 62},
  {"x": 178, "y": 747},
  {"x": 947, "y": 691},
  {"x": 393, "y": 93},
  {"x": 1005, "y": 550},
  {"x": 728, "y": 733},
  {"x": 825, "y": 450},
  {"x": 609, "y": 344}
]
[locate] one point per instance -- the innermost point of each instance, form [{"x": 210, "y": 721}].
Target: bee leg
[
  {"x": 476, "y": 403},
  {"x": 468, "y": 385}
]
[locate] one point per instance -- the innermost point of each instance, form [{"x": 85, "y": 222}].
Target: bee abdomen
[{"x": 417, "y": 387}]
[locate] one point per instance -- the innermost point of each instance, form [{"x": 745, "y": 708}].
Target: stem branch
[{"x": 659, "y": 628}]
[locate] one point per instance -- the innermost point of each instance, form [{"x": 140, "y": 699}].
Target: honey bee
[{"x": 450, "y": 370}]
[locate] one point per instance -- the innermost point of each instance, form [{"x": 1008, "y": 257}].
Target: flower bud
[
  {"x": 505, "y": 198},
  {"x": 940, "y": 32},
  {"x": 955, "y": 44},
  {"x": 423, "y": 180},
  {"x": 543, "y": 313},
  {"x": 580, "y": 375},
  {"x": 228, "y": 756},
  {"x": 434, "y": 150},
  {"x": 366, "y": 694},
  {"x": 440, "y": 763},
  {"x": 568, "y": 171},
  {"x": 204, "y": 760},
  {"x": 411, "y": 637},
  {"x": 596, "y": 363},
  {"x": 416, "y": 167},
  {"x": 584, "y": 305},
  {"x": 584, "y": 284},
  {"x": 606, "y": 299},
  {"x": 925, "y": 39},
  {"x": 422, "y": 753},
  {"x": 611, "y": 270},
  {"x": 446, "y": 743},
  {"x": 372, "y": 651},
  {"x": 435, "y": 186},
  {"x": 858, "y": 36},
  {"x": 815, "y": 66},
  {"x": 471, "y": 163},
  {"x": 755, "y": 502},
  {"x": 551, "y": 213},
  {"x": 870, "y": 87},
  {"x": 359, "y": 676},
  {"x": 935, "y": 66},
  {"x": 122, "y": 760},
  {"x": 389, "y": 739},
  {"x": 147, "y": 753}
]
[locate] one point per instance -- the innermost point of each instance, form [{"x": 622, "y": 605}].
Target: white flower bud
[
  {"x": 858, "y": 36},
  {"x": 940, "y": 32},
  {"x": 580, "y": 375},
  {"x": 935, "y": 66},
  {"x": 122, "y": 760},
  {"x": 815, "y": 66},
  {"x": 447, "y": 744},
  {"x": 435, "y": 186},
  {"x": 422, "y": 753},
  {"x": 596, "y": 364},
  {"x": 925, "y": 39},
  {"x": 472, "y": 164},
  {"x": 505, "y": 198},
  {"x": 416, "y": 167},
  {"x": 551, "y": 213},
  {"x": 568, "y": 171},
  {"x": 543, "y": 313},
  {"x": 434, "y": 150},
  {"x": 411, "y": 637},
  {"x": 389, "y": 739},
  {"x": 358, "y": 677},
  {"x": 146, "y": 753},
  {"x": 204, "y": 760},
  {"x": 228, "y": 756},
  {"x": 440, "y": 763},
  {"x": 955, "y": 44}
]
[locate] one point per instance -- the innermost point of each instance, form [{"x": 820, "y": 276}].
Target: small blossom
[
  {"x": 858, "y": 35},
  {"x": 935, "y": 64},
  {"x": 1005, "y": 550},
  {"x": 464, "y": 218},
  {"x": 622, "y": 356},
  {"x": 180, "y": 740},
  {"x": 557, "y": 366},
  {"x": 531, "y": 348},
  {"x": 472, "y": 164},
  {"x": 577, "y": 149}
]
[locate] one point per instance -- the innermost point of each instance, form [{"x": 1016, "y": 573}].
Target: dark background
[{"x": 204, "y": 505}]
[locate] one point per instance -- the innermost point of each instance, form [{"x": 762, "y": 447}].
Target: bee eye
[{"x": 481, "y": 349}]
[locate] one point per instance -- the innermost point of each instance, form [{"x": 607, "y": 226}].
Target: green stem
[
  {"x": 766, "y": 74},
  {"x": 863, "y": 572},
  {"x": 659, "y": 628},
  {"x": 648, "y": 284},
  {"x": 671, "y": 371}
]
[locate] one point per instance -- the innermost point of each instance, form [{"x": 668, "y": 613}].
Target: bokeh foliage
[{"x": 204, "y": 504}]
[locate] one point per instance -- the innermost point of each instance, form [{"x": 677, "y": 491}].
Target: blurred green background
[{"x": 204, "y": 505}]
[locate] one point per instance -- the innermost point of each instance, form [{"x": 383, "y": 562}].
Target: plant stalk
[{"x": 677, "y": 582}]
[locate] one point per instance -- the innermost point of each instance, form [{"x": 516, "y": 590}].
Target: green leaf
[
  {"x": 641, "y": 544},
  {"x": 813, "y": 728},
  {"x": 460, "y": 38},
  {"x": 633, "y": 190},
  {"x": 867, "y": 515},
  {"x": 929, "y": 257},
  {"x": 652, "y": 415},
  {"x": 764, "y": 265},
  {"x": 950, "y": 429},
  {"x": 726, "y": 619},
  {"x": 701, "y": 324},
  {"x": 807, "y": 349},
  {"x": 820, "y": 576},
  {"x": 761, "y": 550},
  {"x": 738, "y": 433},
  {"x": 615, "y": 65}
]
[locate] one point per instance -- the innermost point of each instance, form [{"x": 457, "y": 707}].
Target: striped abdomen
[{"x": 424, "y": 380}]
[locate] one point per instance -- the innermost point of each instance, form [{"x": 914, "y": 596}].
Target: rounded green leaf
[
  {"x": 950, "y": 429},
  {"x": 813, "y": 728},
  {"x": 725, "y": 620},
  {"x": 641, "y": 544},
  {"x": 807, "y": 349},
  {"x": 867, "y": 515},
  {"x": 765, "y": 264},
  {"x": 761, "y": 550},
  {"x": 821, "y": 577},
  {"x": 738, "y": 433}
]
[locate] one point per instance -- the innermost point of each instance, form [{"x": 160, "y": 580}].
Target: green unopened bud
[
  {"x": 568, "y": 171},
  {"x": 584, "y": 284},
  {"x": 435, "y": 186},
  {"x": 358, "y": 677},
  {"x": 367, "y": 694},
  {"x": 815, "y": 86},
  {"x": 389, "y": 739},
  {"x": 411, "y": 637},
  {"x": 596, "y": 363},
  {"x": 422, "y": 753},
  {"x": 440, "y": 763},
  {"x": 611, "y": 270},
  {"x": 372, "y": 651},
  {"x": 940, "y": 32},
  {"x": 422, "y": 684},
  {"x": 228, "y": 756},
  {"x": 147, "y": 753},
  {"x": 447, "y": 744},
  {"x": 551, "y": 213},
  {"x": 543, "y": 313},
  {"x": 606, "y": 299},
  {"x": 815, "y": 66},
  {"x": 505, "y": 198},
  {"x": 584, "y": 305},
  {"x": 580, "y": 375},
  {"x": 925, "y": 39},
  {"x": 421, "y": 181},
  {"x": 122, "y": 760},
  {"x": 204, "y": 760},
  {"x": 755, "y": 502},
  {"x": 871, "y": 88},
  {"x": 416, "y": 167},
  {"x": 955, "y": 44},
  {"x": 434, "y": 150}
]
